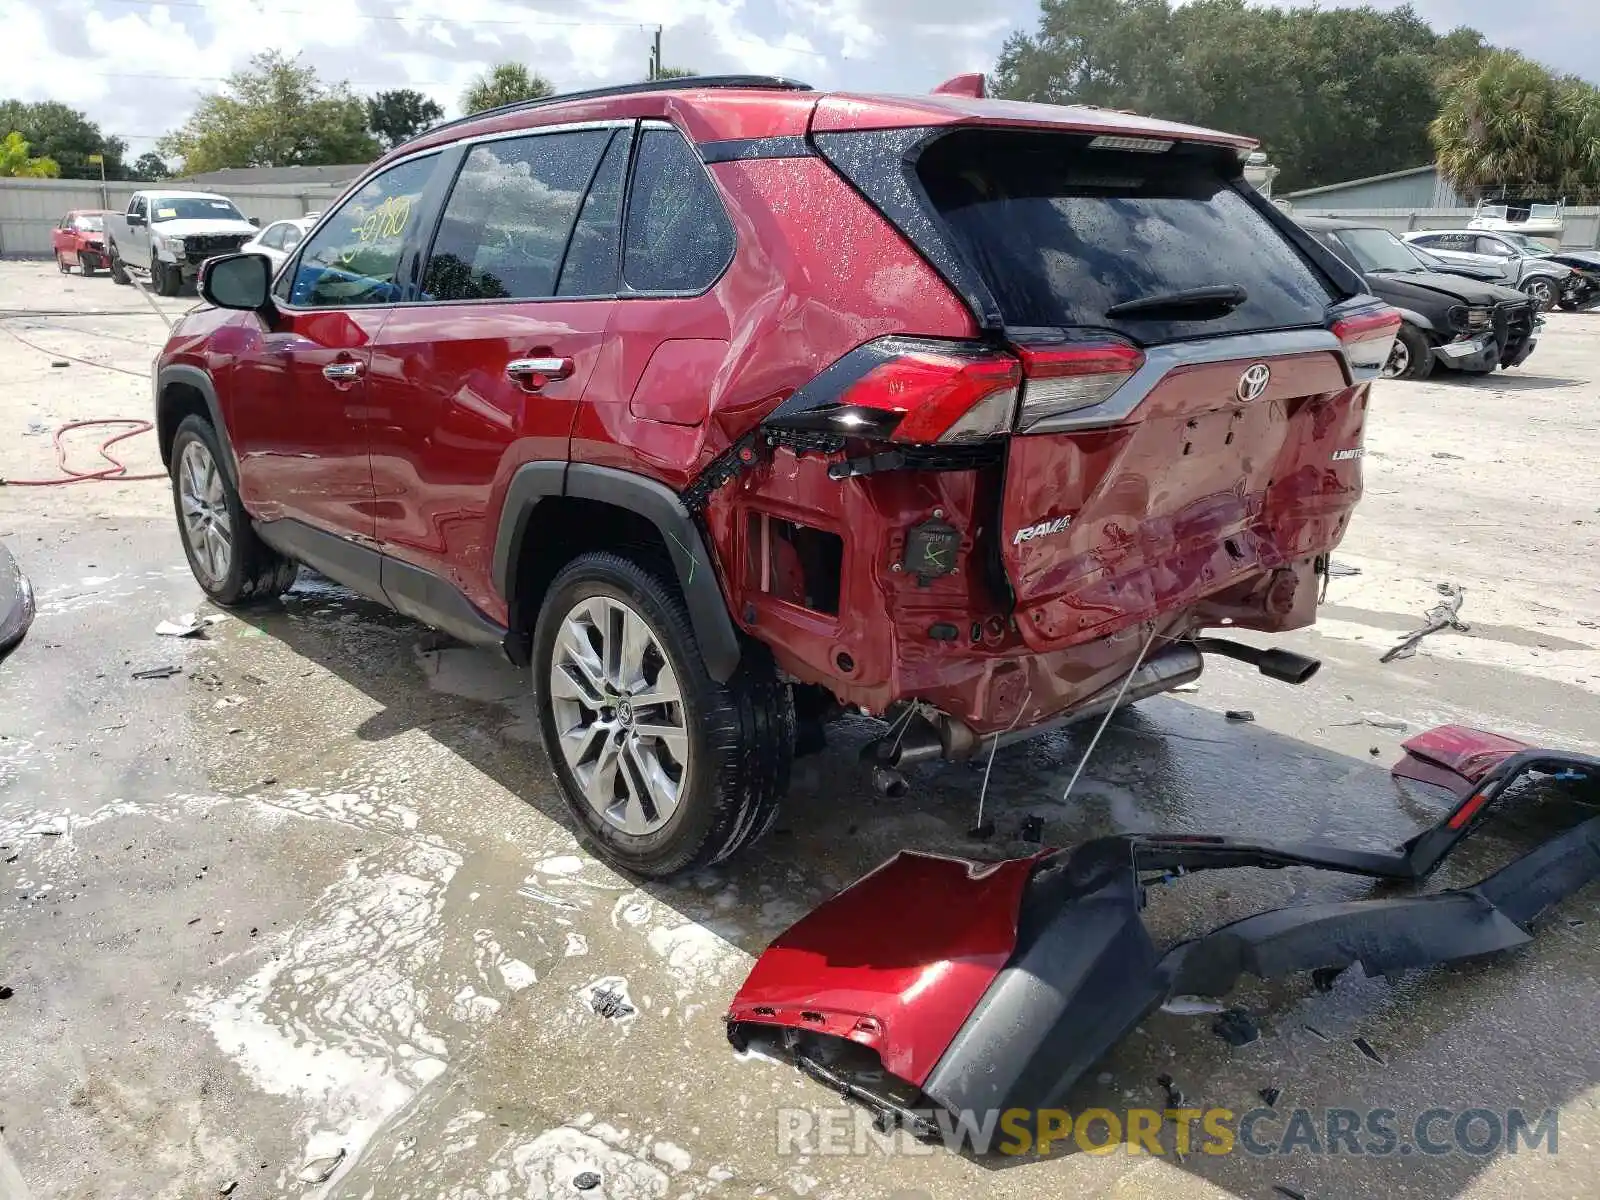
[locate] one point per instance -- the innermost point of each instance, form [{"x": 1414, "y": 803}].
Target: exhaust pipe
[{"x": 1282, "y": 665}]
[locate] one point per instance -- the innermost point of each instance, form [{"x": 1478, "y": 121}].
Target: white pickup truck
[{"x": 165, "y": 235}]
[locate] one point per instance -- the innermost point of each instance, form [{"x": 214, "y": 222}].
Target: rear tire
[
  {"x": 1411, "y": 358},
  {"x": 709, "y": 778},
  {"x": 230, "y": 563}
]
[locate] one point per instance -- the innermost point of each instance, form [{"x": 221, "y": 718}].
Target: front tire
[
  {"x": 86, "y": 265},
  {"x": 119, "y": 273},
  {"x": 1411, "y": 357},
  {"x": 665, "y": 769},
  {"x": 165, "y": 278},
  {"x": 230, "y": 563},
  {"x": 61, "y": 264},
  {"x": 1542, "y": 292}
]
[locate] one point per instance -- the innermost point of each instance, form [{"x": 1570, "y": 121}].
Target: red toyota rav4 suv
[{"x": 724, "y": 403}]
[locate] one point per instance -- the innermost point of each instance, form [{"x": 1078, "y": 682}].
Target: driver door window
[
  {"x": 136, "y": 207},
  {"x": 354, "y": 257},
  {"x": 1494, "y": 246},
  {"x": 273, "y": 237}
]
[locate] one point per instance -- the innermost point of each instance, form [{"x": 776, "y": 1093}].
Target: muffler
[{"x": 1283, "y": 665}]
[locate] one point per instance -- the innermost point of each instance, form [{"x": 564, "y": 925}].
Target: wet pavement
[{"x": 314, "y": 897}]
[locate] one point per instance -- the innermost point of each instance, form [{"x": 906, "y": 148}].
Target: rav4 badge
[{"x": 1042, "y": 529}]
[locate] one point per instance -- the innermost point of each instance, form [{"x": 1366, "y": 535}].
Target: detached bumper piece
[{"x": 938, "y": 983}]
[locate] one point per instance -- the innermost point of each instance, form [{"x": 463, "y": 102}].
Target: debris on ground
[
  {"x": 586, "y": 1181},
  {"x": 1315, "y": 1032},
  {"x": 187, "y": 625},
  {"x": 1447, "y": 454},
  {"x": 162, "y": 672},
  {"x": 1174, "y": 1095},
  {"x": 1187, "y": 687},
  {"x": 1236, "y": 1027},
  {"x": 1033, "y": 830},
  {"x": 981, "y": 832},
  {"x": 1366, "y": 1048},
  {"x": 1441, "y": 616},
  {"x": 319, "y": 1170},
  {"x": 59, "y": 362},
  {"x": 1192, "y": 1006},
  {"x": 1339, "y": 570},
  {"x": 227, "y": 1188},
  {"x": 1239, "y": 714},
  {"x": 1323, "y": 978},
  {"x": 1269, "y": 1096},
  {"x": 1376, "y": 722},
  {"x": 1288, "y": 1193},
  {"x": 5, "y": 991}
]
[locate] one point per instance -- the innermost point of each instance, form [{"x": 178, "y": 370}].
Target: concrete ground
[{"x": 312, "y": 905}]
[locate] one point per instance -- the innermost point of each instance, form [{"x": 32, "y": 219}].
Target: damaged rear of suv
[{"x": 725, "y": 404}]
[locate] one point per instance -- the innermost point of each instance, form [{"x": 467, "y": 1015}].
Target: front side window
[
  {"x": 510, "y": 215},
  {"x": 1494, "y": 246},
  {"x": 136, "y": 207},
  {"x": 355, "y": 257},
  {"x": 678, "y": 237}
]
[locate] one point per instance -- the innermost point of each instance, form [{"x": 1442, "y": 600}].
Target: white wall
[{"x": 31, "y": 208}]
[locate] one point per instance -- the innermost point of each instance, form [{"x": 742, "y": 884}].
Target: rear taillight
[
  {"x": 1061, "y": 379},
  {"x": 909, "y": 390},
  {"x": 1368, "y": 337}
]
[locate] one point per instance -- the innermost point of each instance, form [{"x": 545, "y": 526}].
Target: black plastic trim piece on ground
[{"x": 1085, "y": 970}]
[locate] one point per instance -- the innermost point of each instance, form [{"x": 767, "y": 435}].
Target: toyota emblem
[{"x": 1254, "y": 382}]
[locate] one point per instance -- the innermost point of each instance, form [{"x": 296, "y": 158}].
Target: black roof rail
[{"x": 683, "y": 83}]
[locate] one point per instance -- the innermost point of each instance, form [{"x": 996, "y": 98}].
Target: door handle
[
  {"x": 534, "y": 373},
  {"x": 342, "y": 372}
]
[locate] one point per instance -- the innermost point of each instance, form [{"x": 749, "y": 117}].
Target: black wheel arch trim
[
  {"x": 655, "y": 502},
  {"x": 194, "y": 377},
  {"x": 1412, "y": 317}
]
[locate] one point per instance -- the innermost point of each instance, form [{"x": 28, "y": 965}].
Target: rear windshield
[
  {"x": 1062, "y": 233},
  {"x": 192, "y": 208}
]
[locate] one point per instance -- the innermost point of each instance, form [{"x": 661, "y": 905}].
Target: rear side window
[
  {"x": 506, "y": 226},
  {"x": 678, "y": 237},
  {"x": 591, "y": 265},
  {"x": 1061, "y": 234}
]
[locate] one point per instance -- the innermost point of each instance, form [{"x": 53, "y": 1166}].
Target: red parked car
[
  {"x": 724, "y": 403},
  {"x": 80, "y": 241}
]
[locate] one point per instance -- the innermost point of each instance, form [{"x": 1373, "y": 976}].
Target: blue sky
[{"x": 136, "y": 66}]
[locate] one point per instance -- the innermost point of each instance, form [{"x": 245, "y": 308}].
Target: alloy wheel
[
  {"x": 1543, "y": 294},
  {"x": 619, "y": 715},
  {"x": 1399, "y": 360},
  {"x": 207, "y": 523}
]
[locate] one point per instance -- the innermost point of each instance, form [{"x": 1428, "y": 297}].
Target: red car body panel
[
  {"x": 904, "y": 987},
  {"x": 447, "y": 428},
  {"x": 71, "y": 242},
  {"x": 1455, "y": 756}
]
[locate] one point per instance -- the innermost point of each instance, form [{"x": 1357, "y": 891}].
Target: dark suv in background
[
  {"x": 1450, "y": 320},
  {"x": 725, "y": 404}
]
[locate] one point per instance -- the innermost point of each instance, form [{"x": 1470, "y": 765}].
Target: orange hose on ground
[{"x": 118, "y": 470}]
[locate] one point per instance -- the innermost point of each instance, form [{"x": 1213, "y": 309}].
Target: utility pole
[{"x": 655, "y": 57}]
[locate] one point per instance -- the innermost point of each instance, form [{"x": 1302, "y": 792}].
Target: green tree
[
  {"x": 62, "y": 133},
  {"x": 17, "y": 163},
  {"x": 400, "y": 115},
  {"x": 676, "y": 73},
  {"x": 1331, "y": 93},
  {"x": 150, "y": 167},
  {"x": 504, "y": 83},
  {"x": 274, "y": 113}
]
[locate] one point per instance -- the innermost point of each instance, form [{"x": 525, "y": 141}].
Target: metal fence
[
  {"x": 1580, "y": 226},
  {"x": 31, "y": 208}
]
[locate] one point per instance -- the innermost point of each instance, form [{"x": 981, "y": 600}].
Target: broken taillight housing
[
  {"x": 1060, "y": 379},
  {"x": 1368, "y": 336},
  {"x": 909, "y": 390}
]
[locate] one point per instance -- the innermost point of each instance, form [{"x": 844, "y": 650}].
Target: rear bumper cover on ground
[{"x": 1004, "y": 983}]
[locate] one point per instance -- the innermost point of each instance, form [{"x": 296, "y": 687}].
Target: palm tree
[
  {"x": 504, "y": 83},
  {"x": 1497, "y": 126}
]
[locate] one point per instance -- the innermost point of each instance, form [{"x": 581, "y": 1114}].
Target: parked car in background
[
  {"x": 278, "y": 240},
  {"x": 165, "y": 235},
  {"x": 1489, "y": 271},
  {"x": 1450, "y": 320},
  {"x": 725, "y": 404},
  {"x": 80, "y": 241},
  {"x": 1526, "y": 264}
]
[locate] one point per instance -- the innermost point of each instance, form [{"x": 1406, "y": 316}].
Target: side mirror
[
  {"x": 135, "y": 219},
  {"x": 242, "y": 281},
  {"x": 256, "y": 221}
]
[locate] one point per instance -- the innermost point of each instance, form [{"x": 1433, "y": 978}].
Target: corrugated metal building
[{"x": 1419, "y": 187}]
